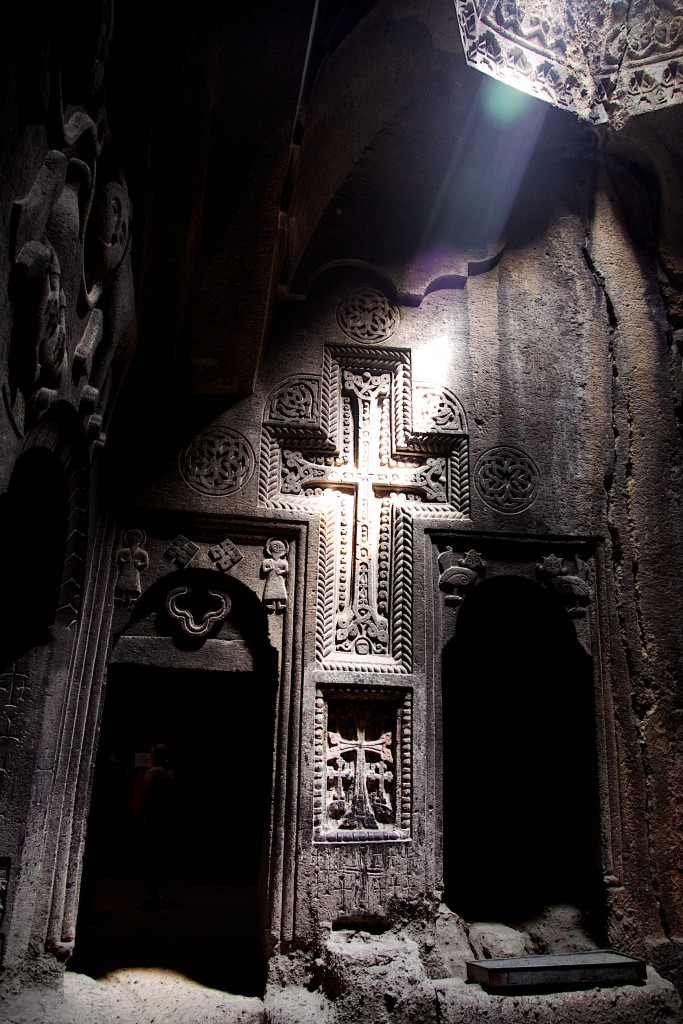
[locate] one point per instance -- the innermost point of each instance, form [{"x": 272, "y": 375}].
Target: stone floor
[{"x": 191, "y": 961}]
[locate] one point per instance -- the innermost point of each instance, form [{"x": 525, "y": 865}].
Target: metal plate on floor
[{"x": 557, "y": 971}]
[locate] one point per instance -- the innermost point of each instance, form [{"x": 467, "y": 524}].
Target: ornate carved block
[
  {"x": 363, "y": 766},
  {"x": 507, "y": 479},
  {"x": 217, "y": 462},
  {"x": 367, "y": 473},
  {"x": 225, "y": 555},
  {"x": 183, "y": 553},
  {"x": 603, "y": 60}
]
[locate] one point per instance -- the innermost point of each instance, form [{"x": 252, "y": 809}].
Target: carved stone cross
[
  {"x": 360, "y": 813},
  {"x": 364, "y": 470}
]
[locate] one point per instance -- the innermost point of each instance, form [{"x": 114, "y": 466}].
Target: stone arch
[{"x": 520, "y": 777}]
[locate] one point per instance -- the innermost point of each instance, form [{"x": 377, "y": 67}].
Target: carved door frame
[{"x": 523, "y": 556}]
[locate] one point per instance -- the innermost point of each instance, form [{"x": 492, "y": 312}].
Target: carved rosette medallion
[
  {"x": 367, "y": 316},
  {"x": 507, "y": 479},
  {"x": 217, "y": 462}
]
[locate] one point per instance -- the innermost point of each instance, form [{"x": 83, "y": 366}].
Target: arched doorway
[
  {"x": 218, "y": 727},
  {"x": 520, "y": 781}
]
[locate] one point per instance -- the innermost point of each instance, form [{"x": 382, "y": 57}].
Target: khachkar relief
[
  {"x": 507, "y": 479},
  {"x": 367, "y": 469},
  {"x": 603, "y": 60},
  {"x": 217, "y": 462},
  {"x": 363, "y": 767}
]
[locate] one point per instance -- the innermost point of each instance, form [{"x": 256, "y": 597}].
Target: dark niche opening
[
  {"x": 521, "y": 820},
  {"x": 205, "y": 858},
  {"x": 34, "y": 515}
]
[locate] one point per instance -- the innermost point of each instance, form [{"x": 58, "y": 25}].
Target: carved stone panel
[
  {"x": 363, "y": 766},
  {"x": 367, "y": 472}
]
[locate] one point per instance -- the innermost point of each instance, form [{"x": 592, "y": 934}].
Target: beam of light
[{"x": 490, "y": 157}]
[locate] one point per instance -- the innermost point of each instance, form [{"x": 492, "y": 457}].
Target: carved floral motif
[
  {"x": 218, "y": 461},
  {"x": 507, "y": 479},
  {"x": 367, "y": 316}
]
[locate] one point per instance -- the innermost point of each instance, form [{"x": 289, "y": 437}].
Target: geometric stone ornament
[
  {"x": 367, "y": 473},
  {"x": 367, "y": 316},
  {"x": 507, "y": 479},
  {"x": 601, "y": 59},
  {"x": 218, "y": 461},
  {"x": 363, "y": 773},
  {"x": 183, "y": 553}
]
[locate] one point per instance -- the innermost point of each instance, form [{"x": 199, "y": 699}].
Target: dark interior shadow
[
  {"x": 208, "y": 924},
  {"x": 521, "y": 824}
]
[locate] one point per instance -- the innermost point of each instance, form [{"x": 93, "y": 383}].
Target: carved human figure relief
[
  {"x": 275, "y": 569},
  {"x": 131, "y": 560}
]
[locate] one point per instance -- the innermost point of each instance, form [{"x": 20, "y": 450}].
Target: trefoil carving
[{"x": 197, "y": 612}]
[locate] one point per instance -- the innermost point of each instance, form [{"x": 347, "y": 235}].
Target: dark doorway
[
  {"x": 520, "y": 780},
  {"x": 218, "y": 729}
]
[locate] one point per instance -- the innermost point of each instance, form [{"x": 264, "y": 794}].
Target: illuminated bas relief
[
  {"x": 604, "y": 60},
  {"x": 363, "y": 766},
  {"x": 367, "y": 467}
]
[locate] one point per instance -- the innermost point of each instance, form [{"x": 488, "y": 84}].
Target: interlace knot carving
[
  {"x": 360, "y": 772},
  {"x": 507, "y": 479},
  {"x": 296, "y": 402},
  {"x": 367, "y": 316},
  {"x": 218, "y": 461}
]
